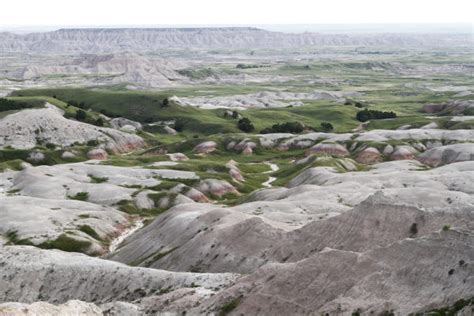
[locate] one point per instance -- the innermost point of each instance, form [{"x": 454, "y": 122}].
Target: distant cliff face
[{"x": 144, "y": 40}]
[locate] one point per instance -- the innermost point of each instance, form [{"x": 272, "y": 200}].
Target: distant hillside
[{"x": 96, "y": 40}]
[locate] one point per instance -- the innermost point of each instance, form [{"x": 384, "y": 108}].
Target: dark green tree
[{"x": 245, "y": 125}]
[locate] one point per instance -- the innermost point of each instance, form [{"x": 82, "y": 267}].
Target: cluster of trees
[
  {"x": 245, "y": 125},
  {"x": 367, "y": 114},
  {"x": 8, "y": 105},
  {"x": 288, "y": 127}
]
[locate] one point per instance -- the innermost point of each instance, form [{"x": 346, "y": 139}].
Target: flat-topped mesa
[{"x": 151, "y": 39}]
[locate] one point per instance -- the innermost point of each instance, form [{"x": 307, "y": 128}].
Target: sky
[{"x": 22, "y": 13}]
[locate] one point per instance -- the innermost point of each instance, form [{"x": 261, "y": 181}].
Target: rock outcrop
[
  {"x": 369, "y": 155},
  {"x": 205, "y": 147},
  {"x": 443, "y": 155},
  {"x": 29, "y": 128},
  {"x": 97, "y": 154},
  {"x": 336, "y": 150}
]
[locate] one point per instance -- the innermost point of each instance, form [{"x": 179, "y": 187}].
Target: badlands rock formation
[
  {"x": 205, "y": 147},
  {"x": 398, "y": 286},
  {"x": 325, "y": 224},
  {"x": 29, "y": 274},
  {"x": 29, "y": 128},
  {"x": 116, "y": 68},
  {"x": 263, "y": 99},
  {"x": 41, "y": 204},
  {"x": 148, "y": 40},
  {"x": 447, "y": 154}
]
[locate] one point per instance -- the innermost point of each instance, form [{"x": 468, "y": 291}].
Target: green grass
[
  {"x": 449, "y": 310},
  {"x": 95, "y": 179},
  {"x": 80, "y": 196},
  {"x": 146, "y": 106},
  {"x": 90, "y": 231},
  {"x": 66, "y": 243},
  {"x": 12, "y": 237},
  {"x": 229, "y": 306}
]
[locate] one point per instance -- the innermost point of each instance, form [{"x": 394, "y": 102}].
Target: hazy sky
[{"x": 182, "y": 12}]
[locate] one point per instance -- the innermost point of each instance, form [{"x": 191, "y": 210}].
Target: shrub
[
  {"x": 326, "y": 126},
  {"x": 99, "y": 122},
  {"x": 446, "y": 228},
  {"x": 178, "y": 125},
  {"x": 50, "y": 146},
  {"x": 245, "y": 125},
  {"x": 81, "y": 115}
]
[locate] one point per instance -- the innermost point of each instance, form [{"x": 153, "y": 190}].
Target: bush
[
  {"x": 245, "y": 125},
  {"x": 81, "y": 115},
  {"x": 50, "y": 146},
  {"x": 325, "y": 126},
  {"x": 288, "y": 127},
  {"x": 365, "y": 115},
  {"x": 178, "y": 125},
  {"x": 99, "y": 122}
]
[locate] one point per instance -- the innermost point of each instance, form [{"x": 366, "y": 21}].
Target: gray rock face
[
  {"x": 447, "y": 154},
  {"x": 58, "y": 276},
  {"x": 27, "y": 128},
  {"x": 371, "y": 281},
  {"x": 73, "y": 307}
]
